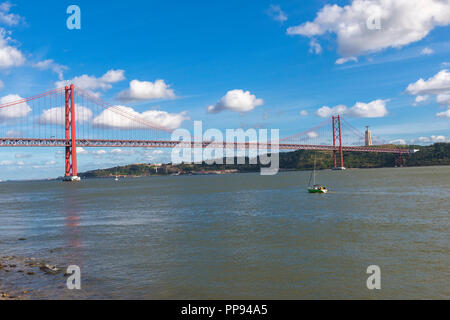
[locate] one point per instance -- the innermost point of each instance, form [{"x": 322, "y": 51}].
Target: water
[{"x": 241, "y": 236}]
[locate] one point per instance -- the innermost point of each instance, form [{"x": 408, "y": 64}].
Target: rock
[
  {"x": 48, "y": 268},
  {"x": 22, "y": 239},
  {"x": 30, "y": 273},
  {"x": 12, "y": 266}
]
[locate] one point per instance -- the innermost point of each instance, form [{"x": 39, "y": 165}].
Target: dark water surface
[{"x": 241, "y": 236}]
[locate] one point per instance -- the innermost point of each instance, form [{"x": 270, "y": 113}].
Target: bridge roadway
[{"x": 86, "y": 143}]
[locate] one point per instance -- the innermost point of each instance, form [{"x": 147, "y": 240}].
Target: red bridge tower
[{"x": 71, "y": 141}]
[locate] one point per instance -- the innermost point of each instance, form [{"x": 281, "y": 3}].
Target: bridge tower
[
  {"x": 71, "y": 141},
  {"x": 337, "y": 138}
]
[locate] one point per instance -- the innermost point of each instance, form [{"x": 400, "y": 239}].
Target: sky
[{"x": 252, "y": 64}]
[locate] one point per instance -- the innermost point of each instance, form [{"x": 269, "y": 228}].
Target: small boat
[
  {"x": 316, "y": 188},
  {"x": 116, "y": 179}
]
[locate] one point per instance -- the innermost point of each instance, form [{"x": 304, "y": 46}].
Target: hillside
[{"x": 436, "y": 154}]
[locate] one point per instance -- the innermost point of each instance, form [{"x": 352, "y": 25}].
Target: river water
[{"x": 240, "y": 236}]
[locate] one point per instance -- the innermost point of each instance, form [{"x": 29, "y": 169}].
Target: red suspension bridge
[{"x": 71, "y": 117}]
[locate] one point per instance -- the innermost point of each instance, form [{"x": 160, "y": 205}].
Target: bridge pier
[
  {"x": 337, "y": 136},
  {"x": 70, "y": 137}
]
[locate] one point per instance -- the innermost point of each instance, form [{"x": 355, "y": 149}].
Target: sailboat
[{"x": 315, "y": 188}]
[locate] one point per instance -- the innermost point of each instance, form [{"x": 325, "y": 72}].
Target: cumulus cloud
[
  {"x": 49, "y": 64},
  {"x": 401, "y": 22},
  {"x": 444, "y": 114},
  {"x": 10, "y": 19},
  {"x": 443, "y": 99},
  {"x": 276, "y": 13},
  {"x": 146, "y": 90},
  {"x": 92, "y": 83},
  {"x": 420, "y": 99},
  {"x": 236, "y": 101},
  {"x": 9, "y": 56},
  {"x": 57, "y": 115},
  {"x": 13, "y": 112},
  {"x": 439, "y": 83},
  {"x": 326, "y": 111},
  {"x": 122, "y": 117},
  {"x": 374, "y": 109},
  {"x": 432, "y": 139}
]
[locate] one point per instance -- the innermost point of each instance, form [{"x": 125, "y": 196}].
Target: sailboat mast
[{"x": 314, "y": 169}]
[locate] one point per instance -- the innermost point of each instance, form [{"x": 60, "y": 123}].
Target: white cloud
[
  {"x": 439, "y": 83},
  {"x": 374, "y": 109},
  {"x": 122, "y": 152},
  {"x": 10, "y": 19},
  {"x": 276, "y": 13},
  {"x": 303, "y": 113},
  {"x": 444, "y": 114},
  {"x": 237, "y": 101},
  {"x": 9, "y": 56},
  {"x": 432, "y": 139},
  {"x": 99, "y": 152},
  {"x": 57, "y": 115},
  {"x": 435, "y": 139},
  {"x": 420, "y": 99},
  {"x": 401, "y": 22},
  {"x": 13, "y": 112},
  {"x": 315, "y": 47},
  {"x": 326, "y": 111},
  {"x": 127, "y": 118},
  {"x": 81, "y": 150},
  {"x": 423, "y": 139},
  {"x": 92, "y": 83},
  {"x": 345, "y": 60},
  {"x": 146, "y": 90},
  {"x": 398, "y": 142},
  {"x": 312, "y": 134},
  {"x": 11, "y": 163},
  {"x": 427, "y": 51},
  {"x": 443, "y": 99},
  {"x": 49, "y": 64}
]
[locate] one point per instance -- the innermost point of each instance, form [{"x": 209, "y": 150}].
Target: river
[{"x": 238, "y": 236}]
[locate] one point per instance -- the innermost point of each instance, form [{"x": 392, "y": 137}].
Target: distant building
[{"x": 368, "y": 137}]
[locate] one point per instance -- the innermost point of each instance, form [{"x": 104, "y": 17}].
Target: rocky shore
[{"x": 20, "y": 275}]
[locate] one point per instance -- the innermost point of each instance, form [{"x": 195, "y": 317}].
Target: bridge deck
[{"x": 23, "y": 142}]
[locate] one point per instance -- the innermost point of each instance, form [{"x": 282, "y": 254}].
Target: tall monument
[{"x": 368, "y": 137}]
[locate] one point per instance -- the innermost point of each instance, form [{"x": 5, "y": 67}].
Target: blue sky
[{"x": 204, "y": 50}]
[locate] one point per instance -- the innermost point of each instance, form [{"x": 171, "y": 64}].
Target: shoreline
[
  {"x": 223, "y": 173},
  {"x": 20, "y": 276}
]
